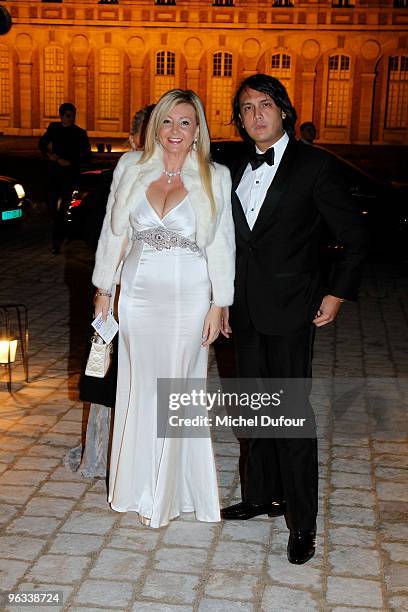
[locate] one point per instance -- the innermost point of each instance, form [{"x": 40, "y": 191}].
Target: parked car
[
  {"x": 383, "y": 205},
  {"x": 13, "y": 201},
  {"x": 86, "y": 210}
]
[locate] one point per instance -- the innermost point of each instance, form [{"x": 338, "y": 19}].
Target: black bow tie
[{"x": 257, "y": 159}]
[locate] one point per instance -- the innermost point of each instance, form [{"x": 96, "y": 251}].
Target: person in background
[
  {"x": 65, "y": 146},
  {"x": 307, "y": 132},
  {"x": 138, "y": 127},
  {"x": 92, "y": 460}
]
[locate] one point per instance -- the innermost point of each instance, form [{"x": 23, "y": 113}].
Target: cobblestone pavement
[{"x": 59, "y": 533}]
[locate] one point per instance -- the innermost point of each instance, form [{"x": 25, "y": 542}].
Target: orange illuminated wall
[{"x": 345, "y": 67}]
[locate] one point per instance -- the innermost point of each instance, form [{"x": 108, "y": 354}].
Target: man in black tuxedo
[{"x": 282, "y": 195}]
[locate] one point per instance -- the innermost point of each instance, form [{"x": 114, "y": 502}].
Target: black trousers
[{"x": 273, "y": 469}]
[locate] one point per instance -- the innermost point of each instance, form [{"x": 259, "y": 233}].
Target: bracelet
[{"x": 103, "y": 294}]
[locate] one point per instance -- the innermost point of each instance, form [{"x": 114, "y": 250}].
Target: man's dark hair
[
  {"x": 306, "y": 125},
  {"x": 67, "y": 106},
  {"x": 273, "y": 88}
]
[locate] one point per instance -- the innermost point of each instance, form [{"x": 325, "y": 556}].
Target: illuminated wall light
[
  {"x": 8, "y": 340},
  {"x": 8, "y": 349}
]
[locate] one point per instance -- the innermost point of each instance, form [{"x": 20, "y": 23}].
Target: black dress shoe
[
  {"x": 301, "y": 546},
  {"x": 246, "y": 510}
]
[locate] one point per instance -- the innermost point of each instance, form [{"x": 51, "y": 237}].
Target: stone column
[
  {"x": 193, "y": 78},
  {"x": 81, "y": 94},
  {"x": 366, "y": 106},
  {"x": 136, "y": 85},
  {"x": 308, "y": 85},
  {"x": 25, "y": 73}
]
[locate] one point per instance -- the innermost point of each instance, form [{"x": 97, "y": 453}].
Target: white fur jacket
[{"x": 215, "y": 237}]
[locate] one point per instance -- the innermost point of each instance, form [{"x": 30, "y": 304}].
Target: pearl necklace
[{"x": 171, "y": 174}]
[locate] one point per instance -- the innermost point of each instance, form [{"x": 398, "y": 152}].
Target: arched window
[
  {"x": 165, "y": 73},
  {"x": 221, "y": 91},
  {"x": 109, "y": 84},
  {"x": 281, "y": 65},
  {"x": 338, "y": 91},
  {"x": 396, "y": 116},
  {"x": 222, "y": 64},
  {"x": 54, "y": 78},
  {"x": 165, "y": 63},
  {"x": 281, "y": 68},
  {"x": 5, "y": 86}
]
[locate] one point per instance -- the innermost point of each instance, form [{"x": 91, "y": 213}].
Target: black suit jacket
[{"x": 278, "y": 283}]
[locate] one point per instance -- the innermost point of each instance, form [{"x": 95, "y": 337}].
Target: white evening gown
[{"x": 164, "y": 297}]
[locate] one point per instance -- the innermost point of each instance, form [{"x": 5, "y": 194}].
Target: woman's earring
[
  {"x": 195, "y": 144},
  {"x": 283, "y": 115}
]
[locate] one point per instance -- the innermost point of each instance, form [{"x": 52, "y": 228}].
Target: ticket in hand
[{"x": 106, "y": 329}]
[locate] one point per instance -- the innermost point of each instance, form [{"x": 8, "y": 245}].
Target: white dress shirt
[{"x": 255, "y": 183}]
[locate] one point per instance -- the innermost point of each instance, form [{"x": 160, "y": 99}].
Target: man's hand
[
  {"x": 52, "y": 156},
  {"x": 328, "y": 310},
  {"x": 225, "y": 326}
]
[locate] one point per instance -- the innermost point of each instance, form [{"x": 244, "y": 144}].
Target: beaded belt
[{"x": 161, "y": 238}]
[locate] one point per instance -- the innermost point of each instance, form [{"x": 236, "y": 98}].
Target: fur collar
[{"x": 136, "y": 179}]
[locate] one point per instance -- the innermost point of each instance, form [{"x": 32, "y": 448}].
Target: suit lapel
[
  {"x": 237, "y": 211},
  {"x": 240, "y": 171},
  {"x": 277, "y": 187}
]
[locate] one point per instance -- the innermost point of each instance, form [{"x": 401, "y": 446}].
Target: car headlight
[{"x": 19, "y": 189}]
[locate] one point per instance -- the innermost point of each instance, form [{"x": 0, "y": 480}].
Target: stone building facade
[{"x": 345, "y": 64}]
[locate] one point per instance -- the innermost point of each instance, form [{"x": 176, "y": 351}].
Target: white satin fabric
[{"x": 164, "y": 298}]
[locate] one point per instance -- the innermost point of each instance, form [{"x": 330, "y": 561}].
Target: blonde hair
[{"x": 166, "y": 103}]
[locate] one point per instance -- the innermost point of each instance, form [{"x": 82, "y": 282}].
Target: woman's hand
[
  {"x": 225, "y": 326},
  {"x": 101, "y": 304},
  {"x": 212, "y": 325}
]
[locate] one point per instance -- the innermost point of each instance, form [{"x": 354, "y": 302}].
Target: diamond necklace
[{"x": 171, "y": 174}]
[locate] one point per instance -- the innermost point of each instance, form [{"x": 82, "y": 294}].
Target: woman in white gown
[{"x": 168, "y": 239}]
